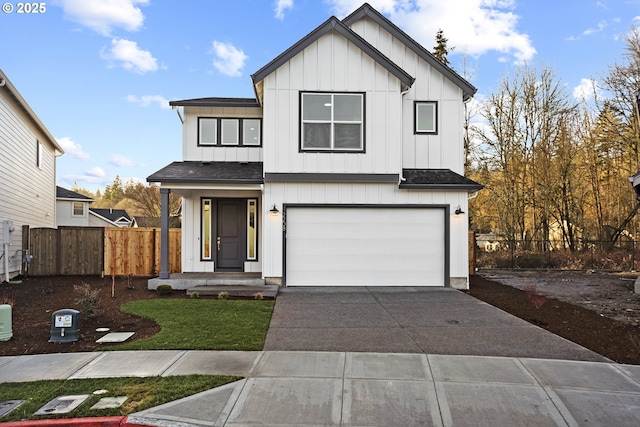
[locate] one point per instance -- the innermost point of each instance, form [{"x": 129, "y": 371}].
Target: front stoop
[{"x": 185, "y": 281}]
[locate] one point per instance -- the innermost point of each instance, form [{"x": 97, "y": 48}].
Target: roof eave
[{"x": 467, "y": 187}]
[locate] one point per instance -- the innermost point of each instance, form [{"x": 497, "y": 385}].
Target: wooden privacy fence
[{"x": 100, "y": 250}]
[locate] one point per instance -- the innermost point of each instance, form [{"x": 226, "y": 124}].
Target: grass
[
  {"x": 202, "y": 324},
  {"x": 142, "y": 393}
]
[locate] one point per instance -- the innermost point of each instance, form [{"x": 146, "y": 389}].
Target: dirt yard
[{"x": 598, "y": 311}]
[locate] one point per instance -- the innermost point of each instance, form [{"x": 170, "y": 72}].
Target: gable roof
[
  {"x": 369, "y": 12},
  {"x": 334, "y": 24},
  {"x": 64, "y": 194},
  {"x": 112, "y": 215},
  {"x": 13, "y": 92}
]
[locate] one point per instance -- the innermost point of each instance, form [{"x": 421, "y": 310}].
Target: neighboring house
[
  {"x": 72, "y": 209},
  {"x": 346, "y": 169},
  {"x": 27, "y": 176},
  {"x": 106, "y": 217}
]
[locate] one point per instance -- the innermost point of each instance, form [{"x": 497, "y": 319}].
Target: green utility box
[{"x": 65, "y": 326}]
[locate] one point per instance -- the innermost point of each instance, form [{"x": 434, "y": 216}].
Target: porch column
[{"x": 164, "y": 233}]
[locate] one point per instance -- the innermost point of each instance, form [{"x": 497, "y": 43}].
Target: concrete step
[{"x": 243, "y": 291}]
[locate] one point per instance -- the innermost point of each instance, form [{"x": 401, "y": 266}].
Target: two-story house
[
  {"x": 72, "y": 209},
  {"x": 346, "y": 168},
  {"x": 27, "y": 176}
]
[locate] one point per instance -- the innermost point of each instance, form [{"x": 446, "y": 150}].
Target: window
[
  {"x": 426, "y": 117},
  {"x": 229, "y": 132},
  {"x": 332, "y": 122},
  {"x": 77, "y": 209},
  {"x": 39, "y": 149},
  {"x": 206, "y": 229},
  {"x": 251, "y": 229},
  {"x": 208, "y": 131}
]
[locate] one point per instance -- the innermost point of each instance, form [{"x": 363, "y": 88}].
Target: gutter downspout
[{"x": 402, "y": 94}]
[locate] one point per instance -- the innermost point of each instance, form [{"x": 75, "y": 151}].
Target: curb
[{"x": 121, "y": 421}]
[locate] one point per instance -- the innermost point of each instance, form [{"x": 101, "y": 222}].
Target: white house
[
  {"x": 27, "y": 176},
  {"x": 346, "y": 169}
]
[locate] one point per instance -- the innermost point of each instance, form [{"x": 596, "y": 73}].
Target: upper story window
[
  {"x": 332, "y": 122},
  {"x": 229, "y": 131},
  {"x": 39, "y": 150},
  {"x": 78, "y": 209},
  {"x": 426, "y": 117}
]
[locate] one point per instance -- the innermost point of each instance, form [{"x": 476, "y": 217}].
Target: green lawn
[
  {"x": 202, "y": 324},
  {"x": 142, "y": 393}
]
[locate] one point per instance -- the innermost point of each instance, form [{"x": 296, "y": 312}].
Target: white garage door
[{"x": 336, "y": 246}]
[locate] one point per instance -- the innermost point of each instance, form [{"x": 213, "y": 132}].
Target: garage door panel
[{"x": 365, "y": 246}]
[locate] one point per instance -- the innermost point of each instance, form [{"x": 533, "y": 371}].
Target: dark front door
[{"x": 231, "y": 234}]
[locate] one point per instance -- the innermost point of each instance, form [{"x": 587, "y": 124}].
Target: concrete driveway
[{"x": 407, "y": 320}]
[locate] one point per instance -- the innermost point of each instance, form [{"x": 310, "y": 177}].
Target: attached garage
[{"x": 366, "y": 246}]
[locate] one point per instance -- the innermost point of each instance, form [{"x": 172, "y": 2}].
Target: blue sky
[{"x": 100, "y": 73}]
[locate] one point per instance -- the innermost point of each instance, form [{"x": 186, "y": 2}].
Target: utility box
[
  {"x": 65, "y": 326},
  {"x": 6, "y": 331}
]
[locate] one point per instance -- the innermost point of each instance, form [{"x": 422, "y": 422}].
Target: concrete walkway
[
  {"x": 363, "y": 389},
  {"x": 377, "y": 357}
]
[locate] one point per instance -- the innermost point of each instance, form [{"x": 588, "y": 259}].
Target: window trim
[
  {"x": 252, "y": 242},
  {"x": 332, "y": 149},
  {"x": 39, "y": 154},
  {"x": 240, "y": 131},
  {"x": 417, "y": 131},
  {"x": 73, "y": 210},
  {"x": 206, "y": 220}
]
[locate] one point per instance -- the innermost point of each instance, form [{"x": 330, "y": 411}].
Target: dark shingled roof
[
  {"x": 63, "y": 193},
  {"x": 111, "y": 214},
  {"x": 437, "y": 179},
  {"x": 216, "y": 102},
  {"x": 210, "y": 172}
]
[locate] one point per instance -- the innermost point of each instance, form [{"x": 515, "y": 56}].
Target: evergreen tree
[{"x": 440, "y": 50}]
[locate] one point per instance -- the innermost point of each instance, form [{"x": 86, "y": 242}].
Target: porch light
[
  {"x": 459, "y": 210},
  {"x": 274, "y": 210}
]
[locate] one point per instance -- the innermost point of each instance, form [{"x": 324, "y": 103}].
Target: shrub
[
  {"x": 258, "y": 295},
  {"x": 223, "y": 295},
  {"x": 194, "y": 295},
  {"x": 88, "y": 299},
  {"x": 164, "y": 290}
]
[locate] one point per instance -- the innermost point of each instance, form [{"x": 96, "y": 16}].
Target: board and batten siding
[
  {"x": 27, "y": 192},
  {"x": 349, "y": 194},
  {"x": 446, "y": 149},
  {"x": 332, "y": 64},
  {"x": 192, "y": 152}
]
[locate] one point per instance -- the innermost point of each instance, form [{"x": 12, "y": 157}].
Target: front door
[{"x": 231, "y": 234}]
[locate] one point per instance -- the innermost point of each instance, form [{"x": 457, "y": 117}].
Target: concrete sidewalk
[{"x": 363, "y": 389}]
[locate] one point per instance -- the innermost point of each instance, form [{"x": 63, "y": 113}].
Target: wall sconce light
[
  {"x": 459, "y": 210},
  {"x": 274, "y": 210}
]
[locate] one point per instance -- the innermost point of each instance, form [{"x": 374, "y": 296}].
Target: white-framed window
[
  {"x": 206, "y": 229},
  {"x": 77, "y": 209},
  {"x": 252, "y": 226},
  {"x": 426, "y": 117},
  {"x": 332, "y": 122},
  {"x": 207, "y": 131},
  {"x": 229, "y": 131}
]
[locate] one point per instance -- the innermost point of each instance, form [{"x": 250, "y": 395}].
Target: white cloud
[
  {"x": 121, "y": 161},
  {"x": 586, "y": 90},
  {"x": 72, "y": 149},
  {"x": 96, "y": 172},
  {"x": 229, "y": 60},
  {"x": 102, "y": 16},
  {"x": 601, "y": 26},
  {"x": 130, "y": 56},
  {"x": 473, "y": 27},
  {"x": 281, "y": 6},
  {"x": 147, "y": 100}
]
